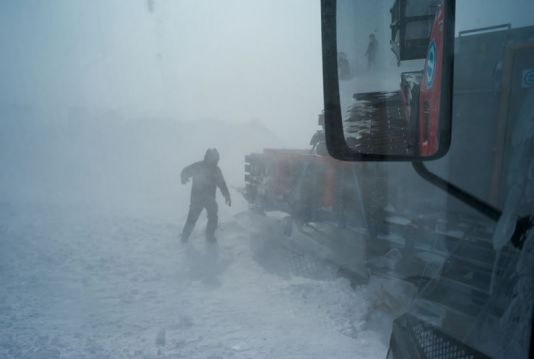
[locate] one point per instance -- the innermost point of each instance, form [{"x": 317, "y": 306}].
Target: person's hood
[{"x": 212, "y": 156}]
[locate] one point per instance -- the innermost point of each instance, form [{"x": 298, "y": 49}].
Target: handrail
[{"x": 485, "y": 208}]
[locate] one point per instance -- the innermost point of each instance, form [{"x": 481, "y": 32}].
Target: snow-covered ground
[
  {"x": 81, "y": 283},
  {"x": 91, "y": 265}
]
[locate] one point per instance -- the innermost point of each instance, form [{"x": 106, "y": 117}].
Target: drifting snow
[
  {"x": 91, "y": 266},
  {"x": 85, "y": 284}
]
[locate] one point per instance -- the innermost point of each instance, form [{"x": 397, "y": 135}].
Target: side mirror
[{"x": 387, "y": 74}]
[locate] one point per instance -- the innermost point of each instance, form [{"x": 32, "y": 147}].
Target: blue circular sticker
[{"x": 430, "y": 64}]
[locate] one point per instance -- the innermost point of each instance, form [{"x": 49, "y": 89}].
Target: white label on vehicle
[{"x": 527, "y": 78}]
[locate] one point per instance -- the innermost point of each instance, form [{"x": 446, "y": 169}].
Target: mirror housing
[{"x": 359, "y": 125}]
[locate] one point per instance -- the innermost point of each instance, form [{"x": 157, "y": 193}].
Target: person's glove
[{"x": 228, "y": 201}]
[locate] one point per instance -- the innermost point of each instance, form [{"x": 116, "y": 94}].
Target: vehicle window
[{"x": 461, "y": 258}]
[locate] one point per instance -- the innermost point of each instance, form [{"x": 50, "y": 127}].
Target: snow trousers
[{"x": 195, "y": 208}]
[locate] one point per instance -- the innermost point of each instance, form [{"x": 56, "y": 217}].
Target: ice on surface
[
  {"x": 401, "y": 221},
  {"x": 454, "y": 233},
  {"x": 514, "y": 326},
  {"x": 81, "y": 284},
  {"x": 393, "y": 237}
]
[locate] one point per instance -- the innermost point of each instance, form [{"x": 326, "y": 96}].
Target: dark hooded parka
[{"x": 207, "y": 177}]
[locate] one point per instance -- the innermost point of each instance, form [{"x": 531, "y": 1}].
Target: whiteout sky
[
  {"x": 230, "y": 60},
  {"x": 236, "y": 61}
]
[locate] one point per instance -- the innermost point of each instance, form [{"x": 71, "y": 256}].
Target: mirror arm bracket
[{"x": 483, "y": 207}]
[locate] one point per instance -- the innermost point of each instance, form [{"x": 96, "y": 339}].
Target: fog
[
  {"x": 187, "y": 61},
  {"x": 104, "y": 102},
  {"x": 110, "y": 99}
]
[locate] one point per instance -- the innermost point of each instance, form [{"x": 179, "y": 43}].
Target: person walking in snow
[
  {"x": 207, "y": 176},
  {"x": 372, "y": 48}
]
